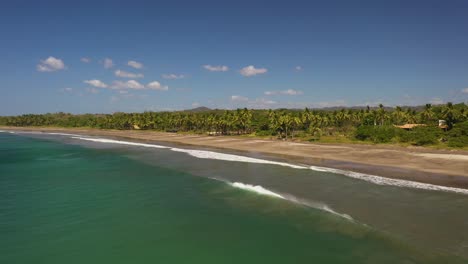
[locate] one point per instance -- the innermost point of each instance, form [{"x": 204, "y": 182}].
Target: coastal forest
[{"x": 439, "y": 125}]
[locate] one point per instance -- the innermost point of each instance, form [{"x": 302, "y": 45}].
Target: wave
[
  {"x": 112, "y": 141},
  {"x": 61, "y": 134},
  {"x": 256, "y": 188},
  {"x": 39, "y": 133},
  {"x": 260, "y": 190},
  {"x": 389, "y": 181},
  {"x": 204, "y": 154}
]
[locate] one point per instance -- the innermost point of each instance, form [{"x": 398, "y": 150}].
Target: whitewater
[{"x": 205, "y": 154}]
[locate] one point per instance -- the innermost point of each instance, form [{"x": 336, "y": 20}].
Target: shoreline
[{"x": 439, "y": 167}]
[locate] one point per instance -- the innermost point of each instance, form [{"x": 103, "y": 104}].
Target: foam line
[
  {"x": 262, "y": 191},
  {"x": 39, "y": 133},
  {"x": 112, "y": 141},
  {"x": 63, "y": 134},
  {"x": 256, "y": 188},
  {"x": 203, "y": 154},
  {"x": 389, "y": 181}
]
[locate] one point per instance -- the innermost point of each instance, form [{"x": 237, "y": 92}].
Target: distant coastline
[{"x": 440, "y": 167}]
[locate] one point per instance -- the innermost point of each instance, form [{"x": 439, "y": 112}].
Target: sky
[{"x": 133, "y": 56}]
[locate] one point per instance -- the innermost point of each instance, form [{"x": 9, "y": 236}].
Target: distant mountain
[{"x": 198, "y": 109}]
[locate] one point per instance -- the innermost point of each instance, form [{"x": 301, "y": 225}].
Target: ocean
[{"x": 75, "y": 199}]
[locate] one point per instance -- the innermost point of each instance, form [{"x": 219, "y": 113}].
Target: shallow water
[{"x": 65, "y": 200}]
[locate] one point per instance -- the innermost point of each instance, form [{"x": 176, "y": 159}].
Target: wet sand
[{"x": 441, "y": 167}]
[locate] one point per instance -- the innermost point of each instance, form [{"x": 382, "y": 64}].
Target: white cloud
[
  {"x": 465, "y": 90},
  {"x": 131, "y": 84},
  {"x": 96, "y": 83},
  {"x": 436, "y": 101},
  {"x": 156, "y": 86},
  {"x": 124, "y": 74},
  {"x": 239, "y": 98},
  {"x": 135, "y": 64},
  {"x": 85, "y": 60},
  {"x": 122, "y": 86},
  {"x": 298, "y": 68},
  {"x": 108, "y": 63},
  {"x": 218, "y": 68},
  {"x": 50, "y": 64},
  {"x": 284, "y": 92},
  {"x": 195, "y": 104},
  {"x": 252, "y": 71},
  {"x": 173, "y": 76}
]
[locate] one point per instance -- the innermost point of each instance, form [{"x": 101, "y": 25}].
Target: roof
[{"x": 410, "y": 126}]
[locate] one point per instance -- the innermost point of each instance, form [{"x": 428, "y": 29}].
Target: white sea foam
[
  {"x": 40, "y": 133},
  {"x": 260, "y": 190},
  {"x": 112, "y": 141},
  {"x": 328, "y": 209},
  {"x": 63, "y": 134},
  {"x": 389, "y": 181},
  {"x": 7, "y": 131},
  {"x": 204, "y": 154},
  {"x": 256, "y": 188}
]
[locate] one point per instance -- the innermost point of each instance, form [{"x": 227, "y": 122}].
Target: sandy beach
[{"x": 442, "y": 167}]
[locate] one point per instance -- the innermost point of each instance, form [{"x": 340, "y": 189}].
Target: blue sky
[{"x": 255, "y": 54}]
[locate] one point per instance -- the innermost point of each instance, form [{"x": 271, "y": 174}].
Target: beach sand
[{"x": 441, "y": 167}]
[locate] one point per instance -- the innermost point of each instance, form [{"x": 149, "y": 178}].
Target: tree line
[{"x": 372, "y": 124}]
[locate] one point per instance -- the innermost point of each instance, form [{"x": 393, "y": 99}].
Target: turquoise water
[{"x": 69, "y": 203}]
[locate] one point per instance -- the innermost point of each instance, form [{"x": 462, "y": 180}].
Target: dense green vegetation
[{"x": 368, "y": 124}]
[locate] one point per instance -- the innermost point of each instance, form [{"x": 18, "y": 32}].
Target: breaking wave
[
  {"x": 260, "y": 190},
  {"x": 128, "y": 143},
  {"x": 204, "y": 154},
  {"x": 389, "y": 181},
  {"x": 256, "y": 188}
]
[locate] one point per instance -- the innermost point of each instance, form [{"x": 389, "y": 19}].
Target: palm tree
[
  {"x": 410, "y": 115},
  {"x": 382, "y": 114},
  {"x": 398, "y": 115},
  {"x": 449, "y": 114},
  {"x": 427, "y": 114}
]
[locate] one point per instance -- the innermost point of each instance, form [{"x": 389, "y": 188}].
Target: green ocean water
[{"x": 67, "y": 203}]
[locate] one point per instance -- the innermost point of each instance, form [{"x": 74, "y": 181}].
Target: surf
[
  {"x": 389, "y": 181},
  {"x": 204, "y": 154},
  {"x": 128, "y": 143},
  {"x": 263, "y": 191}
]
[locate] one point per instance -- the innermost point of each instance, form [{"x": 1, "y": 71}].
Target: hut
[
  {"x": 409, "y": 126},
  {"x": 443, "y": 124}
]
